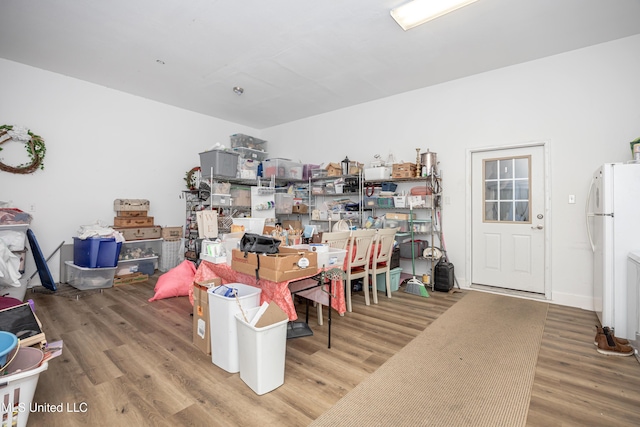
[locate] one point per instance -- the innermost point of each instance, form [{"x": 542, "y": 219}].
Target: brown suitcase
[
  {"x": 142, "y": 233},
  {"x": 131, "y": 213},
  {"x": 140, "y": 221}
]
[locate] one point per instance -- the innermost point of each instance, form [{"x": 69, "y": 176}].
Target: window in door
[{"x": 506, "y": 189}]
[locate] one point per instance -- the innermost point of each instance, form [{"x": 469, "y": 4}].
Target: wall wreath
[
  {"x": 191, "y": 178},
  {"x": 34, "y": 145}
]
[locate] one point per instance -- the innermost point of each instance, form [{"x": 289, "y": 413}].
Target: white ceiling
[{"x": 294, "y": 58}]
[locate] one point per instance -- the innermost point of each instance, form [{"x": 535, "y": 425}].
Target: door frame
[{"x": 547, "y": 213}]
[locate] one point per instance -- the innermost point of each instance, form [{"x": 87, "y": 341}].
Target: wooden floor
[{"x": 130, "y": 362}]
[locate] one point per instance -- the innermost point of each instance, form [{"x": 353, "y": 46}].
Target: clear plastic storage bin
[{"x": 84, "y": 278}]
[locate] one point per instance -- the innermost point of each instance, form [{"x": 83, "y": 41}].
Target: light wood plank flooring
[{"x": 132, "y": 363}]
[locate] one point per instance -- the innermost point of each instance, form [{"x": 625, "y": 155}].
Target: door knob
[{"x": 537, "y": 227}]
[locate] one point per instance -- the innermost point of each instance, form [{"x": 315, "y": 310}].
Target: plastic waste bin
[
  {"x": 222, "y": 324},
  {"x": 261, "y": 352}
]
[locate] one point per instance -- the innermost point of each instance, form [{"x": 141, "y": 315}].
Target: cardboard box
[
  {"x": 403, "y": 170},
  {"x": 201, "y": 333},
  {"x": 284, "y": 266},
  {"x": 171, "y": 233},
  {"x": 300, "y": 209},
  {"x": 399, "y": 216}
]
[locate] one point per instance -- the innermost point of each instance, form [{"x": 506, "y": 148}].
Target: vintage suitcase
[
  {"x": 142, "y": 233},
  {"x": 444, "y": 277},
  {"x": 130, "y": 205},
  {"x": 131, "y": 213},
  {"x": 135, "y": 221}
]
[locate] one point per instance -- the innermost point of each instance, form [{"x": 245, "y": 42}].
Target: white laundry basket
[{"x": 16, "y": 395}]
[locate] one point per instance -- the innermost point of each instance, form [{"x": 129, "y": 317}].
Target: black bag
[
  {"x": 444, "y": 279},
  {"x": 259, "y": 244}
]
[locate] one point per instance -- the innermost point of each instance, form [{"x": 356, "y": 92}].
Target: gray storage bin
[
  {"x": 419, "y": 247},
  {"x": 224, "y": 163}
]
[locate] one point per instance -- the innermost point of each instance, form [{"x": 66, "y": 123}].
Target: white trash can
[
  {"x": 224, "y": 335},
  {"x": 261, "y": 352}
]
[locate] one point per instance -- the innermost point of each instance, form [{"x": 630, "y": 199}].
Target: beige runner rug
[{"x": 473, "y": 366}]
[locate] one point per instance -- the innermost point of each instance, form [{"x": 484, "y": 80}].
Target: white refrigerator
[{"x": 613, "y": 227}]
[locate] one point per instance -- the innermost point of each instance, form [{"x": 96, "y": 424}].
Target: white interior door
[{"x": 508, "y": 219}]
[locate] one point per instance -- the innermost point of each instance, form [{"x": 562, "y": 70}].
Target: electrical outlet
[
  {"x": 32, "y": 207},
  {"x": 572, "y": 198}
]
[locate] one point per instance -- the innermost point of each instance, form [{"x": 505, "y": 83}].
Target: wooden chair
[
  {"x": 381, "y": 259},
  {"x": 337, "y": 240},
  {"x": 358, "y": 260}
]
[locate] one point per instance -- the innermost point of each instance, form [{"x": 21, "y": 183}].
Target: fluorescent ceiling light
[{"x": 418, "y": 12}]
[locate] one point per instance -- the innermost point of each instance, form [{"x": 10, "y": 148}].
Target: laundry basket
[{"x": 16, "y": 394}]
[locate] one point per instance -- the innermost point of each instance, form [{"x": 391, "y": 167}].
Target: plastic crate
[
  {"x": 221, "y": 162},
  {"x": 419, "y": 247},
  {"x": 385, "y": 202},
  {"x": 381, "y": 280},
  {"x": 96, "y": 252},
  {"x": 84, "y": 278},
  {"x": 19, "y": 389},
  {"x": 240, "y": 140},
  {"x": 282, "y": 168},
  {"x": 284, "y": 203}
]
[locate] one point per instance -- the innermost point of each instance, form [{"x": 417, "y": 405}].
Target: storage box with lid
[
  {"x": 381, "y": 280},
  {"x": 382, "y": 172},
  {"x": 284, "y": 203},
  {"x": 220, "y": 200},
  {"x": 307, "y": 170},
  {"x": 221, "y": 162},
  {"x": 418, "y": 248},
  {"x": 241, "y": 196},
  {"x": 85, "y": 278},
  {"x": 96, "y": 252},
  {"x": 248, "y": 168},
  {"x": 249, "y": 147},
  {"x": 139, "y": 256},
  {"x": 240, "y": 140},
  {"x": 282, "y": 168}
]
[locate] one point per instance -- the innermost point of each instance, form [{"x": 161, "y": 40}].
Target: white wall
[
  {"x": 101, "y": 145},
  {"x": 584, "y": 103}
]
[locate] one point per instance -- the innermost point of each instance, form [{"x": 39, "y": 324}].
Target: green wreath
[{"x": 34, "y": 145}]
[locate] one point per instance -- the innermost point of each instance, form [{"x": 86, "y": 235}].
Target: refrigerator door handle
[{"x": 589, "y": 215}]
